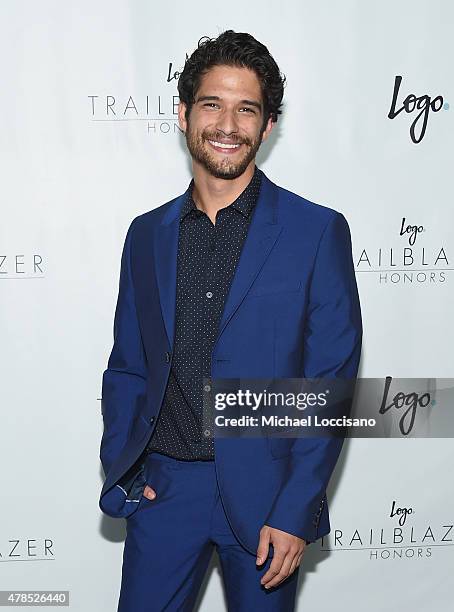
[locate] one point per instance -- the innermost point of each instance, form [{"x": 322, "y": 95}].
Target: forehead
[{"x": 234, "y": 81}]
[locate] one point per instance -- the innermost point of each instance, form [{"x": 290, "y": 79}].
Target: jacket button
[
  {"x": 151, "y": 420},
  {"x": 167, "y": 357}
]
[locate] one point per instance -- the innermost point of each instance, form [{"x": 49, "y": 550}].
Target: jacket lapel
[{"x": 261, "y": 237}]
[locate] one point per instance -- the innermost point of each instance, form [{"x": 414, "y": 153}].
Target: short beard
[{"x": 225, "y": 168}]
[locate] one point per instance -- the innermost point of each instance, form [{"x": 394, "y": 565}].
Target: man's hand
[
  {"x": 149, "y": 492},
  {"x": 288, "y": 552}
]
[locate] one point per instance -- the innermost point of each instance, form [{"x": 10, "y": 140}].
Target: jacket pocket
[
  {"x": 279, "y": 447},
  {"x": 281, "y": 286}
]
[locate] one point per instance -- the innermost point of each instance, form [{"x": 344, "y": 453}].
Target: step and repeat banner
[{"x": 90, "y": 139}]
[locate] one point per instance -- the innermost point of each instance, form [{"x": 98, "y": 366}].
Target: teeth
[{"x": 223, "y": 145}]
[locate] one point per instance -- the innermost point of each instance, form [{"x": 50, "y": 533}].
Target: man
[{"x": 236, "y": 277}]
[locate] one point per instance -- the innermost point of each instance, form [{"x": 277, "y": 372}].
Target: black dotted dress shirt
[{"x": 207, "y": 259}]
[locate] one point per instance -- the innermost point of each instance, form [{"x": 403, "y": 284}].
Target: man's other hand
[
  {"x": 288, "y": 552},
  {"x": 149, "y": 492}
]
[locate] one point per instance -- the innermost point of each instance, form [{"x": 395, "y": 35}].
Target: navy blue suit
[{"x": 292, "y": 311}]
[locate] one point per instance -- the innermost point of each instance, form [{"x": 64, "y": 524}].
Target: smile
[{"x": 224, "y": 147}]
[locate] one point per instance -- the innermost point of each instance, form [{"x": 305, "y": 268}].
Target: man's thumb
[
  {"x": 149, "y": 492},
  {"x": 263, "y": 547}
]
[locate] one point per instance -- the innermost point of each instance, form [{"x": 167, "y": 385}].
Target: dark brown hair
[{"x": 234, "y": 49}]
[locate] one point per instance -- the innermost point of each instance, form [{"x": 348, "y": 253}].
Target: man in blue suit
[{"x": 236, "y": 277}]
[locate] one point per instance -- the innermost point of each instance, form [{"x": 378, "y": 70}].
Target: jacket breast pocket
[{"x": 275, "y": 286}]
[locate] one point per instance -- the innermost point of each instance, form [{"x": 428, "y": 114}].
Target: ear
[
  {"x": 267, "y": 130},
  {"x": 181, "y": 116}
]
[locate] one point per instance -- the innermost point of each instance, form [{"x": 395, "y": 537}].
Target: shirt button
[
  {"x": 207, "y": 388},
  {"x": 207, "y": 432},
  {"x": 209, "y": 294}
]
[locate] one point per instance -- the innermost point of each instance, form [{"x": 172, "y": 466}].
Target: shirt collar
[{"x": 243, "y": 204}]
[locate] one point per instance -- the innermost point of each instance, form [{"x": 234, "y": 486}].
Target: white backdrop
[{"x": 89, "y": 140}]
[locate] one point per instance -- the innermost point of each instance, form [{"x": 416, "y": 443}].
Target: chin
[{"x": 225, "y": 173}]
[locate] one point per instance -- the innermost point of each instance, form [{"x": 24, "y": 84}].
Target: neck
[{"x": 210, "y": 194}]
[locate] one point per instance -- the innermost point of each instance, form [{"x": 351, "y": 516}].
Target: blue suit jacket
[{"x": 292, "y": 311}]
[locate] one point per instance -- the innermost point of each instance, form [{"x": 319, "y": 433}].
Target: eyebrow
[{"x": 247, "y": 102}]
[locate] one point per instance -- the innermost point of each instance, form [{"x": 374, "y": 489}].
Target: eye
[
  {"x": 211, "y": 104},
  {"x": 250, "y": 110}
]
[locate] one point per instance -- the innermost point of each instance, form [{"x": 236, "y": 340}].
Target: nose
[{"x": 227, "y": 124}]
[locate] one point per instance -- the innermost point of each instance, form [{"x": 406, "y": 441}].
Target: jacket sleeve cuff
[
  {"x": 301, "y": 521},
  {"x": 133, "y": 481}
]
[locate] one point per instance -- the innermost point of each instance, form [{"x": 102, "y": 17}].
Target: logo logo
[
  {"x": 411, "y": 105},
  {"x": 411, "y": 258},
  {"x": 159, "y": 110},
  {"x": 26, "y": 550},
  {"x": 406, "y": 404},
  {"x": 21, "y": 266},
  {"x": 398, "y": 538}
]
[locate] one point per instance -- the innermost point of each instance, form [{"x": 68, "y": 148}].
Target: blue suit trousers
[{"x": 170, "y": 541}]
